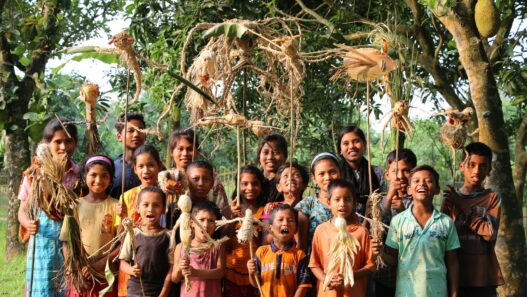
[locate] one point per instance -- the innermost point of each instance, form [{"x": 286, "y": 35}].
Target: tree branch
[
  {"x": 495, "y": 53},
  {"x": 520, "y": 159},
  {"x": 317, "y": 16}
]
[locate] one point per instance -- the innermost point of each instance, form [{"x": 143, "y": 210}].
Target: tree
[{"x": 30, "y": 34}]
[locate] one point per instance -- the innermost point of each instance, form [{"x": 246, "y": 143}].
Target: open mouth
[
  {"x": 284, "y": 231},
  {"x": 422, "y": 191},
  {"x": 150, "y": 216}
]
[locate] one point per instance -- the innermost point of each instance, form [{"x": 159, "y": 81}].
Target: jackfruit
[{"x": 487, "y": 18}]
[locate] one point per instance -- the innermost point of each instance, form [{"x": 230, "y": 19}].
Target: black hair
[
  {"x": 251, "y": 169},
  {"x": 351, "y": 129},
  {"x": 206, "y": 205},
  {"x": 478, "y": 148},
  {"x": 119, "y": 124},
  {"x": 279, "y": 143},
  {"x": 405, "y": 155},
  {"x": 85, "y": 168},
  {"x": 302, "y": 169},
  {"x": 147, "y": 149},
  {"x": 201, "y": 164},
  {"x": 280, "y": 207},
  {"x": 324, "y": 156},
  {"x": 183, "y": 133},
  {"x": 341, "y": 183},
  {"x": 152, "y": 189},
  {"x": 425, "y": 168},
  {"x": 56, "y": 124}
]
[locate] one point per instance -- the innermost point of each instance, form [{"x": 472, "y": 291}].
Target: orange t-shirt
[{"x": 324, "y": 236}]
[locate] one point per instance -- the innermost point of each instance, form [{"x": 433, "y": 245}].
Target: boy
[
  {"x": 342, "y": 201},
  {"x": 421, "y": 240},
  {"x": 476, "y": 213},
  {"x": 133, "y": 138},
  {"x": 281, "y": 267},
  {"x": 200, "y": 178},
  {"x": 148, "y": 265},
  {"x": 395, "y": 201}
]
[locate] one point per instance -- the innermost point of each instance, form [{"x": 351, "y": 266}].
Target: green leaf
[
  {"x": 105, "y": 58},
  {"x": 110, "y": 278},
  {"x": 81, "y": 49},
  {"x": 24, "y": 61},
  {"x": 56, "y": 70},
  {"x": 232, "y": 30}
]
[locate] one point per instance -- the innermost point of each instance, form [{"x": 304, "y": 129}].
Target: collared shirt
[
  {"x": 282, "y": 270},
  {"x": 421, "y": 268},
  {"x": 131, "y": 180}
]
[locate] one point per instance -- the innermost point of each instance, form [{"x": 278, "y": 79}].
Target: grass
[{"x": 12, "y": 272}]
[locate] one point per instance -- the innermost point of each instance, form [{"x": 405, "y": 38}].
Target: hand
[
  {"x": 336, "y": 282},
  {"x": 395, "y": 188},
  {"x": 136, "y": 270},
  {"x": 251, "y": 266},
  {"x": 236, "y": 210},
  {"x": 86, "y": 272},
  {"x": 376, "y": 247},
  {"x": 397, "y": 204},
  {"x": 452, "y": 196},
  {"x": 32, "y": 227},
  {"x": 121, "y": 210},
  {"x": 184, "y": 263}
]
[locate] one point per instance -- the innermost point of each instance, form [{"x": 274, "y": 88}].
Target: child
[
  {"x": 132, "y": 138},
  {"x": 280, "y": 266},
  {"x": 236, "y": 276},
  {"x": 204, "y": 269},
  {"x": 422, "y": 242},
  {"x": 62, "y": 140},
  {"x": 272, "y": 153},
  {"x": 292, "y": 179},
  {"x": 184, "y": 145},
  {"x": 200, "y": 178},
  {"x": 146, "y": 164},
  {"x": 148, "y": 265},
  {"x": 342, "y": 200},
  {"x": 354, "y": 166},
  {"x": 395, "y": 201},
  {"x": 96, "y": 213},
  {"x": 476, "y": 213},
  {"x": 314, "y": 210}
]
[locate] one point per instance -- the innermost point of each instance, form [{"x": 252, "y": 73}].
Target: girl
[
  {"x": 206, "y": 269},
  {"x": 314, "y": 210},
  {"x": 146, "y": 164},
  {"x": 236, "y": 275},
  {"x": 96, "y": 213},
  {"x": 150, "y": 271},
  {"x": 62, "y": 140},
  {"x": 272, "y": 153},
  {"x": 184, "y": 145},
  {"x": 354, "y": 166}
]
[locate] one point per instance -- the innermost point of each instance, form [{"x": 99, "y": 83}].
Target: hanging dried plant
[
  {"x": 124, "y": 48},
  {"x": 89, "y": 93}
]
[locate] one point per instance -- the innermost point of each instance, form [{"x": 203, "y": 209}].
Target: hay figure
[
  {"x": 342, "y": 254},
  {"x": 363, "y": 64},
  {"x": 89, "y": 93},
  {"x": 124, "y": 48},
  {"x": 258, "y": 128},
  {"x": 377, "y": 228},
  {"x": 185, "y": 231},
  {"x": 398, "y": 117},
  {"x": 173, "y": 182}
]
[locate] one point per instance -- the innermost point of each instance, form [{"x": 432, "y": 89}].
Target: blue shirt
[
  {"x": 421, "y": 268},
  {"x": 131, "y": 180}
]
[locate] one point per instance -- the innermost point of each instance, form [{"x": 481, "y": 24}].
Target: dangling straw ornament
[
  {"x": 124, "y": 47},
  {"x": 89, "y": 93}
]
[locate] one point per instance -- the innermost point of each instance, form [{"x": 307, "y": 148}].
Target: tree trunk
[
  {"x": 520, "y": 159},
  {"x": 510, "y": 247}
]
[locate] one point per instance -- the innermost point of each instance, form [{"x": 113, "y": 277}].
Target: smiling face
[
  {"x": 207, "y": 219},
  {"x": 291, "y": 182},
  {"x": 341, "y": 202},
  {"x": 134, "y": 138},
  {"x": 403, "y": 173},
  {"x": 271, "y": 159},
  {"x": 475, "y": 169},
  {"x": 352, "y": 147},
  {"x": 423, "y": 186},
  {"x": 98, "y": 179},
  {"x": 146, "y": 168},
  {"x": 183, "y": 153},
  {"x": 61, "y": 145},
  {"x": 151, "y": 208},
  {"x": 325, "y": 171},
  {"x": 284, "y": 225},
  {"x": 250, "y": 186},
  {"x": 200, "y": 182}
]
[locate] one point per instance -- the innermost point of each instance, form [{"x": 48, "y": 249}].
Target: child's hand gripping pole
[
  {"x": 128, "y": 226},
  {"x": 245, "y": 234}
]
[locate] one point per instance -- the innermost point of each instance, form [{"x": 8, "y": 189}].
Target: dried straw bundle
[
  {"x": 124, "y": 44},
  {"x": 342, "y": 254},
  {"x": 89, "y": 93},
  {"x": 259, "y": 128},
  {"x": 173, "y": 182},
  {"x": 362, "y": 64},
  {"x": 47, "y": 191},
  {"x": 454, "y": 133},
  {"x": 376, "y": 226}
]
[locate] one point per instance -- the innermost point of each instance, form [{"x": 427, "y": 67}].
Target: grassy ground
[{"x": 12, "y": 272}]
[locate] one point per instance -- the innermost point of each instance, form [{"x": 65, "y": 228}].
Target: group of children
[{"x": 428, "y": 252}]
